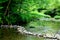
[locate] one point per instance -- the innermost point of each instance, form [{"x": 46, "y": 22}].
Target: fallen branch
[{"x": 22, "y": 30}]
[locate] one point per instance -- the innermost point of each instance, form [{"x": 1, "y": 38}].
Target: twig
[{"x": 7, "y": 7}]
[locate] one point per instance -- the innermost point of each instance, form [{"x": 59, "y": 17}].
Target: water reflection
[
  {"x": 43, "y": 27},
  {"x": 50, "y": 27}
]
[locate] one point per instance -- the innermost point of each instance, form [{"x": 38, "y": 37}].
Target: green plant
[{"x": 16, "y": 11}]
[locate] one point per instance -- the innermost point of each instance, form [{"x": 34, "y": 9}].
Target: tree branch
[
  {"x": 22, "y": 30},
  {"x": 7, "y": 7}
]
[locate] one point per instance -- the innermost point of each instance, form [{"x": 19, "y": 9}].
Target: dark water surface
[{"x": 43, "y": 27}]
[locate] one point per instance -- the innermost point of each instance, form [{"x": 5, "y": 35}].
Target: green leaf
[
  {"x": 57, "y": 17},
  {"x": 1, "y": 7},
  {"x": 1, "y": 1}
]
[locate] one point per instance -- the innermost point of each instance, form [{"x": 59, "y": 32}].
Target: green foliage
[
  {"x": 26, "y": 10},
  {"x": 32, "y": 6},
  {"x": 1, "y": 7},
  {"x": 57, "y": 17},
  {"x": 2, "y": 1}
]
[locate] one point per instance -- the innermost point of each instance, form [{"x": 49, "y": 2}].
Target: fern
[{"x": 23, "y": 11}]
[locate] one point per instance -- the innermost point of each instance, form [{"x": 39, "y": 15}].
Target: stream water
[{"x": 43, "y": 27}]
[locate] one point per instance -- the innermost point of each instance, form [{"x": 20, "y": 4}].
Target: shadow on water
[{"x": 35, "y": 27}]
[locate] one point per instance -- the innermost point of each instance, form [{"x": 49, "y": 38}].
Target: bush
[{"x": 23, "y": 11}]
